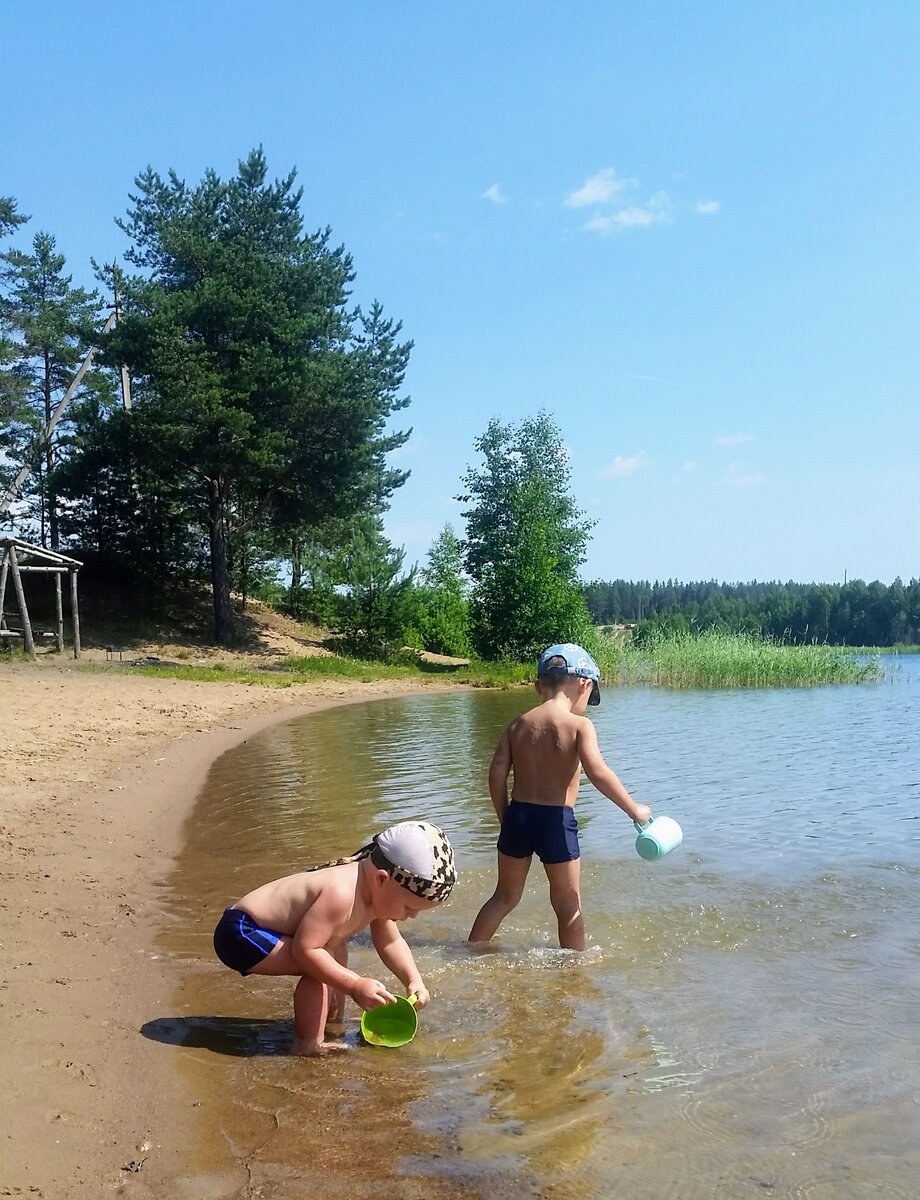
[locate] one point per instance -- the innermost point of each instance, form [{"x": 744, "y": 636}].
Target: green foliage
[
  {"x": 10, "y": 216},
  {"x": 374, "y": 608},
  {"x": 316, "y": 571},
  {"x": 439, "y": 622},
  {"x": 444, "y": 569},
  {"x": 49, "y": 325},
  {"x": 526, "y": 540},
  {"x": 10, "y": 388},
  {"x": 441, "y": 618}
]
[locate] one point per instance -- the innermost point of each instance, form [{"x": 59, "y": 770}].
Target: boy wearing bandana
[{"x": 299, "y": 925}]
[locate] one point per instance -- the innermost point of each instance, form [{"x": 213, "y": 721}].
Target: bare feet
[{"x": 317, "y": 1049}]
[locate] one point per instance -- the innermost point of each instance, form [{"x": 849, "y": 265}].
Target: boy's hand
[
  {"x": 421, "y": 993},
  {"x": 370, "y": 993},
  {"x": 643, "y": 813}
]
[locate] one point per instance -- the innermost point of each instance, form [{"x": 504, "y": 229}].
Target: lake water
[{"x": 743, "y": 1022}]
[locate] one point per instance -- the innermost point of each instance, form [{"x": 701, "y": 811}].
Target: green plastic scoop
[{"x": 391, "y": 1025}]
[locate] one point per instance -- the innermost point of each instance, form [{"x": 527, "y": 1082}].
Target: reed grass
[{"x": 714, "y": 659}]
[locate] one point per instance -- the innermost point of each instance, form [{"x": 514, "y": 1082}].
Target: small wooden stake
[
  {"x": 28, "y": 642},
  {"x": 3, "y": 574},
  {"x": 75, "y": 613},
  {"x": 59, "y": 607}
]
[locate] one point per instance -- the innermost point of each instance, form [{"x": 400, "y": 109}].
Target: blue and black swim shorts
[
  {"x": 548, "y": 830},
  {"x": 240, "y": 943}
]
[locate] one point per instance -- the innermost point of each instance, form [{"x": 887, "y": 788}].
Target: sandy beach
[{"x": 98, "y": 770}]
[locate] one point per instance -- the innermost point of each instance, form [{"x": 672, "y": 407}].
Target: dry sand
[{"x": 97, "y": 771}]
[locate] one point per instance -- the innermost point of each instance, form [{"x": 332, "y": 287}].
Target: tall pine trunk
[{"x": 224, "y": 628}]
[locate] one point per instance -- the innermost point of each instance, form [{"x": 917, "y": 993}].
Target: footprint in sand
[{"x": 75, "y": 1070}]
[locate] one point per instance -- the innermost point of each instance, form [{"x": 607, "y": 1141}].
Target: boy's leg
[
  {"x": 512, "y": 875},
  {"x": 311, "y": 1001},
  {"x": 336, "y": 1014},
  {"x": 565, "y": 897},
  {"x": 311, "y": 1005}
]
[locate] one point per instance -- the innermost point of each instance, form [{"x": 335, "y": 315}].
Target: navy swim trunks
[
  {"x": 240, "y": 943},
  {"x": 548, "y": 830}
]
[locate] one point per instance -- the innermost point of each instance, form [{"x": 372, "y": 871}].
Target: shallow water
[{"x": 743, "y": 1022}]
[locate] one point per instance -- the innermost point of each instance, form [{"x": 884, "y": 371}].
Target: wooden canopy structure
[{"x": 18, "y": 557}]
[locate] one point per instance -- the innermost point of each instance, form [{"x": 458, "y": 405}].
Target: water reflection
[{"x": 744, "y": 1017}]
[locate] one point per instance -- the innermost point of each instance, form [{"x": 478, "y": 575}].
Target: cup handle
[
  {"x": 640, "y": 826},
  {"x": 413, "y": 999}
]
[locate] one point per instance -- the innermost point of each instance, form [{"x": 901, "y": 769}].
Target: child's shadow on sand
[{"x": 242, "y": 1037}]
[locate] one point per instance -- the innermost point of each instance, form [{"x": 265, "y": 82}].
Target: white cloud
[
  {"x": 738, "y": 475},
  {"x": 602, "y": 188},
  {"x": 656, "y": 211},
  {"x": 734, "y": 439},
  {"x": 495, "y": 194},
  {"x": 708, "y": 207},
  {"x": 621, "y": 467}
]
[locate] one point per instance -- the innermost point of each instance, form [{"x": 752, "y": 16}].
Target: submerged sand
[{"x": 98, "y": 770}]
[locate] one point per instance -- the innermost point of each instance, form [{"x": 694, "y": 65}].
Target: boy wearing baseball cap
[
  {"x": 299, "y": 925},
  {"x": 546, "y": 750}
]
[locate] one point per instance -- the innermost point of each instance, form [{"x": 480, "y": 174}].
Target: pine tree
[
  {"x": 52, "y": 324},
  {"x": 442, "y": 616},
  {"x": 375, "y": 605},
  {"x": 268, "y": 396},
  {"x": 11, "y": 387}
]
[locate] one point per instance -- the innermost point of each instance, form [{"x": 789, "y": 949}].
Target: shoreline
[{"x": 98, "y": 774}]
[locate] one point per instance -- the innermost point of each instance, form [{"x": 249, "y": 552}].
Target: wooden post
[
  {"x": 3, "y": 573},
  {"x": 28, "y": 642},
  {"x": 59, "y": 608},
  {"x": 75, "y": 612}
]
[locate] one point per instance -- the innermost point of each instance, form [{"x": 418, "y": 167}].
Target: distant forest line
[{"x": 848, "y": 614}]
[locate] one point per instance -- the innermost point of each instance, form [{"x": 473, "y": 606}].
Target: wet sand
[{"x": 98, "y": 771}]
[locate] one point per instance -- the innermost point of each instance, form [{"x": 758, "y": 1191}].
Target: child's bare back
[
  {"x": 283, "y": 903},
  {"x": 545, "y": 755}
]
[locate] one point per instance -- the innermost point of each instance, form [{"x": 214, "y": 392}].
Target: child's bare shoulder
[{"x": 335, "y": 881}]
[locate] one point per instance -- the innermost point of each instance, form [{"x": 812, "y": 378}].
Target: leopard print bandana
[{"x": 443, "y": 871}]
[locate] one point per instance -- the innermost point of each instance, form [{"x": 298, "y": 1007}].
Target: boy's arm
[
  {"x": 396, "y": 956},
  {"x": 308, "y": 948},
  {"x": 606, "y": 782},
  {"x": 499, "y": 770}
]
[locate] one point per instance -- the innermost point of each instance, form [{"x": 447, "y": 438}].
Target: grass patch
[
  {"x": 290, "y": 671},
  {"x": 219, "y": 673},
  {"x": 473, "y": 674},
  {"x": 715, "y": 659},
  {"x": 323, "y": 666}
]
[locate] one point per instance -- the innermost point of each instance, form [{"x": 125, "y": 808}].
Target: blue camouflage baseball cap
[{"x": 567, "y": 658}]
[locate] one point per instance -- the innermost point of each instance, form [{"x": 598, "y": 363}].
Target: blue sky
[{"x": 687, "y": 230}]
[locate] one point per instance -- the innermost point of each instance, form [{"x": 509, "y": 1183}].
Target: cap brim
[{"x": 595, "y": 697}]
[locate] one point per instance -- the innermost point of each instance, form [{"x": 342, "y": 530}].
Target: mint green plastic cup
[
  {"x": 658, "y": 837},
  {"x": 391, "y": 1025}
]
